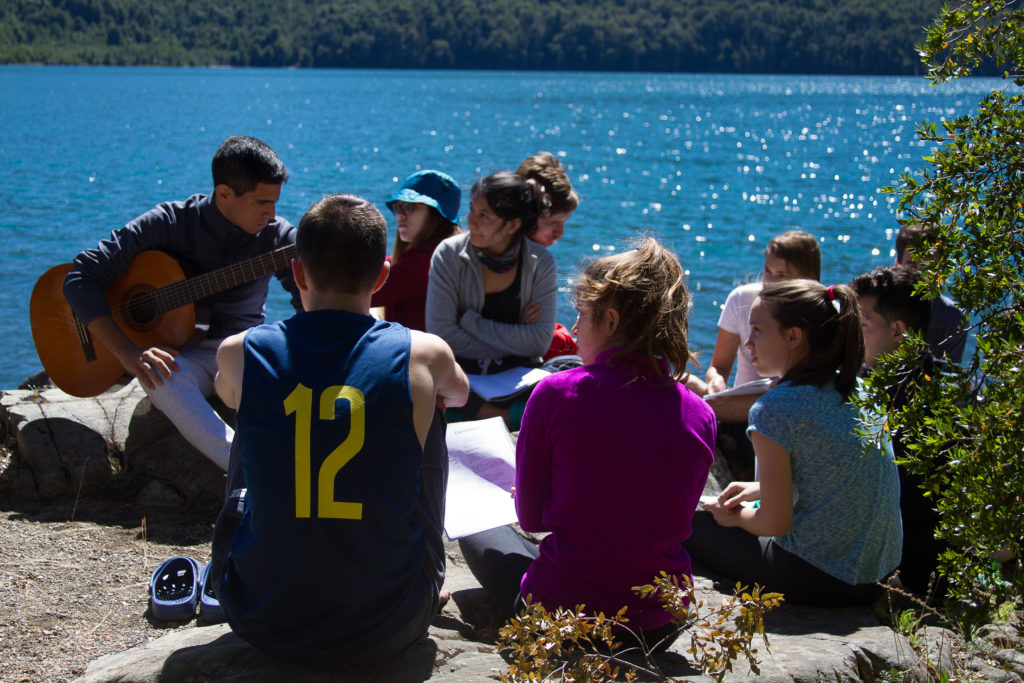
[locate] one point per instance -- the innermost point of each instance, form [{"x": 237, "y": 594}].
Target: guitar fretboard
[{"x": 190, "y": 290}]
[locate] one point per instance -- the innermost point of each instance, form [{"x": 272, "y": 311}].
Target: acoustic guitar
[{"x": 153, "y": 303}]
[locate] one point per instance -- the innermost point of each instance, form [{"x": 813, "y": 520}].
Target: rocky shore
[{"x": 97, "y": 492}]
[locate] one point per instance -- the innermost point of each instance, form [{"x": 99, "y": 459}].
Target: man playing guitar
[{"x": 204, "y": 233}]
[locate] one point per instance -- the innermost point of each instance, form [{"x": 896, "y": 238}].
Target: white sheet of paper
[
  {"x": 705, "y": 500},
  {"x": 757, "y": 386},
  {"x": 505, "y": 383},
  {"x": 481, "y": 474}
]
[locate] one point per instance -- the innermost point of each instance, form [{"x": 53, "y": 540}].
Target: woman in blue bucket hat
[{"x": 427, "y": 209}]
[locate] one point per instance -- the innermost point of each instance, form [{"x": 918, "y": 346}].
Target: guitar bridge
[{"x": 84, "y": 339}]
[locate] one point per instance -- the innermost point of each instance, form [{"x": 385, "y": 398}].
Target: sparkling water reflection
[{"x": 714, "y": 165}]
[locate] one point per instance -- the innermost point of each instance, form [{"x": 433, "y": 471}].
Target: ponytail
[{"x": 830, "y": 321}]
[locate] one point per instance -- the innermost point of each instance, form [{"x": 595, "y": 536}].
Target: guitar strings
[{"x": 187, "y": 291}]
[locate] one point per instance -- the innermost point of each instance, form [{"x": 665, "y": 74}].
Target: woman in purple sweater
[{"x": 611, "y": 457}]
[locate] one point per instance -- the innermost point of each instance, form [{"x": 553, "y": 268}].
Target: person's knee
[{"x": 180, "y": 384}]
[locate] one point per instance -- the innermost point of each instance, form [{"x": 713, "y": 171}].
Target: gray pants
[{"x": 183, "y": 399}]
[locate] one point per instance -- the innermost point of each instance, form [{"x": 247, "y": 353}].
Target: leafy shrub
[
  {"x": 570, "y": 644},
  {"x": 962, "y": 428}
]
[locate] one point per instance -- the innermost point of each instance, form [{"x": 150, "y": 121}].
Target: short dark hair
[
  {"x": 799, "y": 250},
  {"x": 830, "y": 321},
  {"x": 911, "y": 236},
  {"x": 242, "y": 162},
  {"x": 510, "y": 197},
  {"x": 342, "y": 242},
  {"x": 893, "y": 287}
]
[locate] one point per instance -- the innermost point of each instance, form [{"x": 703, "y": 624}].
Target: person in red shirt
[
  {"x": 558, "y": 201},
  {"x": 427, "y": 209}
]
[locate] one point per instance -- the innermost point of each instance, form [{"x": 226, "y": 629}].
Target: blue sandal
[
  {"x": 209, "y": 605},
  {"x": 174, "y": 589}
]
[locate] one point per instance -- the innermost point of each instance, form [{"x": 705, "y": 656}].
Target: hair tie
[
  {"x": 831, "y": 292},
  {"x": 545, "y": 200}
]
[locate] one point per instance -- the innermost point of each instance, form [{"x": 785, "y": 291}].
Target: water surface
[{"x": 714, "y": 165}]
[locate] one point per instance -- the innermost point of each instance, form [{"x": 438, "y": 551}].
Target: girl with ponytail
[{"x": 827, "y": 524}]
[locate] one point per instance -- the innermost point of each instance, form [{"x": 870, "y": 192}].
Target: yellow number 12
[{"x": 300, "y": 402}]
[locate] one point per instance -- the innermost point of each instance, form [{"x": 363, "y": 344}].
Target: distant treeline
[{"x": 752, "y": 36}]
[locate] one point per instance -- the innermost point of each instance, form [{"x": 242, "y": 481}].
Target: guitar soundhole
[{"x": 142, "y": 313}]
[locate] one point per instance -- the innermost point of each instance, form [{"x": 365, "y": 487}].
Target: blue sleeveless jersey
[{"x": 329, "y": 554}]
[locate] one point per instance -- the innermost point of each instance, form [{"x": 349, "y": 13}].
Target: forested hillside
[{"x": 754, "y": 36}]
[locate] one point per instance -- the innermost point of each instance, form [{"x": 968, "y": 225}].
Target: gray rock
[
  {"x": 70, "y": 447},
  {"x": 157, "y": 494},
  {"x": 718, "y": 478},
  {"x": 815, "y": 644},
  {"x": 1000, "y": 635},
  {"x": 939, "y": 645},
  {"x": 806, "y": 645},
  {"x": 983, "y": 671},
  {"x": 1011, "y": 659},
  {"x": 214, "y": 653}
]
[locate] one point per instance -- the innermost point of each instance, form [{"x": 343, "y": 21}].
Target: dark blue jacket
[{"x": 196, "y": 234}]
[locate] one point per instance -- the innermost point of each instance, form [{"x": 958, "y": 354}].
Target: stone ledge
[
  {"x": 117, "y": 441},
  {"x": 69, "y": 446},
  {"x": 807, "y": 645}
]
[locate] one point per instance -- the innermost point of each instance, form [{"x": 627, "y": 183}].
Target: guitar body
[
  {"x": 79, "y": 364},
  {"x": 153, "y": 303}
]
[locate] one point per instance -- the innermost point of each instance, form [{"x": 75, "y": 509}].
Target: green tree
[
  {"x": 783, "y": 36},
  {"x": 963, "y": 428}
]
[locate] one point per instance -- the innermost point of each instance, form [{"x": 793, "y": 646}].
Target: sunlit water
[{"x": 714, "y": 165}]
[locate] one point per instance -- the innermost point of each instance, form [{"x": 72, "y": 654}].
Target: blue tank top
[{"x": 329, "y": 554}]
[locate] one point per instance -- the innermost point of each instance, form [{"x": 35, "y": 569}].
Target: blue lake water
[{"x": 714, "y": 165}]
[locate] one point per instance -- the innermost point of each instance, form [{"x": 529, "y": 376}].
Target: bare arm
[
  {"x": 230, "y": 361},
  {"x": 727, "y": 345},
  {"x": 695, "y": 384},
  {"x": 732, "y": 408},
  {"x": 435, "y": 379},
  {"x": 774, "y": 517},
  {"x": 151, "y": 365}
]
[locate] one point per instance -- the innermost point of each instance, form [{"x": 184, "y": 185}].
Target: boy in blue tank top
[{"x": 341, "y": 446}]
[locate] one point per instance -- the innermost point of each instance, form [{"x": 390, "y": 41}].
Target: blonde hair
[{"x": 647, "y": 288}]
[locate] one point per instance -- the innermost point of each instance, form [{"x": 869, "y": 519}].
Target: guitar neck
[{"x": 202, "y": 286}]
